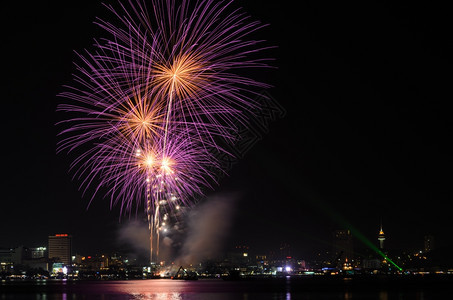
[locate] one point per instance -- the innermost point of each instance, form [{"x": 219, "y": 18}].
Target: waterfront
[{"x": 281, "y": 288}]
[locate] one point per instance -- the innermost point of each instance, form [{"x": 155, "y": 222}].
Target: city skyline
[
  {"x": 342, "y": 240},
  {"x": 365, "y": 136}
]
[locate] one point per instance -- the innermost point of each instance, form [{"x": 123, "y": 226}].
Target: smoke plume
[
  {"x": 208, "y": 227},
  {"x": 133, "y": 238}
]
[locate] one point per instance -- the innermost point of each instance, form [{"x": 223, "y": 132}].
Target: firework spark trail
[
  {"x": 159, "y": 100},
  {"x": 192, "y": 54}
]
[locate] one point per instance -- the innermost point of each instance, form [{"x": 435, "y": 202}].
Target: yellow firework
[
  {"x": 183, "y": 77},
  {"x": 141, "y": 119}
]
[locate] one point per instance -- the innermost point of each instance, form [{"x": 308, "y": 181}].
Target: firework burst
[{"x": 158, "y": 100}]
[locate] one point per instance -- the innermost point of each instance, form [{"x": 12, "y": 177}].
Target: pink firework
[{"x": 159, "y": 99}]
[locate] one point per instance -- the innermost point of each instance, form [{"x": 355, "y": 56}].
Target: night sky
[{"x": 366, "y": 136}]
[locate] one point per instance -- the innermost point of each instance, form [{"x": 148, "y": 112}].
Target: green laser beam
[
  {"x": 318, "y": 202},
  {"x": 368, "y": 243},
  {"x": 327, "y": 209}
]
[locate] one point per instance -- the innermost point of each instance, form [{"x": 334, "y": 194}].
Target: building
[
  {"x": 371, "y": 264},
  {"x": 429, "y": 243},
  {"x": 239, "y": 256},
  {"x": 342, "y": 247},
  {"x": 285, "y": 251},
  {"x": 6, "y": 260},
  {"x": 60, "y": 248},
  {"x": 38, "y": 252},
  {"x": 12, "y": 256}
]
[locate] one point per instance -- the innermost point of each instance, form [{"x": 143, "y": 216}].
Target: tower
[{"x": 381, "y": 238}]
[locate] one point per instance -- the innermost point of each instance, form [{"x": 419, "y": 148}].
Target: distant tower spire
[{"x": 381, "y": 238}]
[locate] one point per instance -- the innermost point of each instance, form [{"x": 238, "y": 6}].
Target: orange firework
[
  {"x": 184, "y": 77},
  {"x": 140, "y": 120}
]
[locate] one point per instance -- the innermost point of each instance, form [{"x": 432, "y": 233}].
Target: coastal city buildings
[{"x": 344, "y": 257}]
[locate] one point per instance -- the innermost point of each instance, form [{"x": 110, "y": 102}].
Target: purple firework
[{"x": 159, "y": 99}]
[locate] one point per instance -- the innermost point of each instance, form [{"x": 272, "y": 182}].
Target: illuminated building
[
  {"x": 38, "y": 252},
  {"x": 97, "y": 262},
  {"x": 60, "y": 248},
  {"x": 6, "y": 260},
  {"x": 381, "y": 238},
  {"x": 239, "y": 256}
]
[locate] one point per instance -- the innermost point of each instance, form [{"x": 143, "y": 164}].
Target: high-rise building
[
  {"x": 342, "y": 246},
  {"x": 429, "y": 243},
  {"x": 60, "y": 248},
  {"x": 285, "y": 251},
  {"x": 381, "y": 238}
]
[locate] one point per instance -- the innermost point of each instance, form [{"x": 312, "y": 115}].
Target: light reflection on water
[
  {"x": 162, "y": 289},
  {"x": 163, "y": 296}
]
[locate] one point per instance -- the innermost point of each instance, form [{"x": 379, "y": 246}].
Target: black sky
[{"x": 367, "y": 91}]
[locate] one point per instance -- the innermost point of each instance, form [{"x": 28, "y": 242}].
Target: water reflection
[
  {"x": 199, "y": 290},
  {"x": 158, "y": 296},
  {"x": 162, "y": 289}
]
